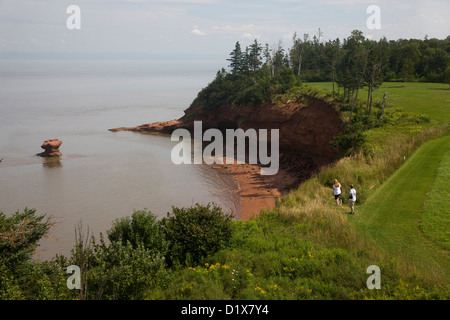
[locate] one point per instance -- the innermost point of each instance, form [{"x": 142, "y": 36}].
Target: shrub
[
  {"x": 125, "y": 272},
  {"x": 142, "y": 228},
  {"x": 351, "y": 140},
  {"x": 195, "y": 232},
  {"x": 116, "y": 271},
  {"x": 20, "y": 277},
  {"x": 20, "y": 235}
]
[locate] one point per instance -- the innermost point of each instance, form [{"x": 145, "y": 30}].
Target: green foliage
[
  {"x": 250, "y": 88},
  {"x": 141, "y": 229},
  {"x": 399, "y": 60},
  {"x": 196, "y": 232},
  {"x": 9, "y": 286},
  {"x": 116, "y": 271},
  {"x": 136, "y": 259},
  {"x": 128, "y": 268},
  {"x": 43, "y": 281},
  {"x": 124, "y": 272},
  {"x": 351, "y": 140},
  {"x": 447, "y": 75},
  {"x": 20, "y": 276},
  {"x": 399, "y": 117},
  {"x": 237, "y": 59},
  {"x": 269, "y": 260},
  {"x": 20, "y": 235},
  {"x": 185, "y": 235}
]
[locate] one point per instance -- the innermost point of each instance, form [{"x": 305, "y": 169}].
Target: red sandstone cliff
[
  {"x": 304, "y": 132},
  {"x": 306, "y": 129}
]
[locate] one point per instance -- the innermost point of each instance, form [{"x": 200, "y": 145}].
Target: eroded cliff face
[
  {"x": 307, "y": 129},
  {"x": 304, "y": 131}
]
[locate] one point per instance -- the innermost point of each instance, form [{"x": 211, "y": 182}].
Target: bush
[
  {"x": 125, "y": 272},
  {"x": 351, "y": 140},
  {"x": 20, "y": 235},
  {"x": 116, "y": 271},
  {"x": 195, "y": 232},
  {"x": 20, "y": 276},
  {"x": 142, "y": 228}
]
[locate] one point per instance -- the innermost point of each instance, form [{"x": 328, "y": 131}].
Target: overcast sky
[{"x": 206, "y": 26}]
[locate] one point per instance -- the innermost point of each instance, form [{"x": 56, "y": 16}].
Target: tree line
[
  {"x": 316, "y": 60},
  {"x": 350, "y": 64}
]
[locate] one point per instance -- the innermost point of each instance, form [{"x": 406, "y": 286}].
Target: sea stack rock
[{"x": 51, "y": 148}]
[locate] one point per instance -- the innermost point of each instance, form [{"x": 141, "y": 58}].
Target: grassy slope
[{"x": 392, "y": 215}]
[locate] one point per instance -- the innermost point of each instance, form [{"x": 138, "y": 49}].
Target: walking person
[
  {"x": 337, "y": 189},
  {"x": 352, "y": 199}
]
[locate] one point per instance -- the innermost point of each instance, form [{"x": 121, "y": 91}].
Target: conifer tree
[
  {"x": 237, "y": 59},
  {"x": 254, "y": 56}
]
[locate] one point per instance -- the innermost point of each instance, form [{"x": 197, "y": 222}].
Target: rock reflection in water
[{"x": 52, "y": 162}]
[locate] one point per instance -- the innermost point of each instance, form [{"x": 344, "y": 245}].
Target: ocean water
[{"x": 101, "y": 175}]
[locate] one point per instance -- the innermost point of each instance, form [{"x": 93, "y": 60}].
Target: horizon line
[{"x": 46, "y": 55}]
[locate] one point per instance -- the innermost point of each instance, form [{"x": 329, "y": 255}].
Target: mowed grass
[
  {"x": 392, "y": 215},
  {"x": 435, "y": 222},
  {"x": 431, "y": 99}
]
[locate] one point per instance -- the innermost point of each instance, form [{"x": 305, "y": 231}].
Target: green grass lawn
[
  {"x": 435, "y": 222},
  {"x": 392, "y": 215},
  {"x": 432, "y": 99}
]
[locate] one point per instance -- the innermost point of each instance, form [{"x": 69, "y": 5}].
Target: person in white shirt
[
  {"x": 337, "y": 189},
  {"x": 352, "y": 199}
]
